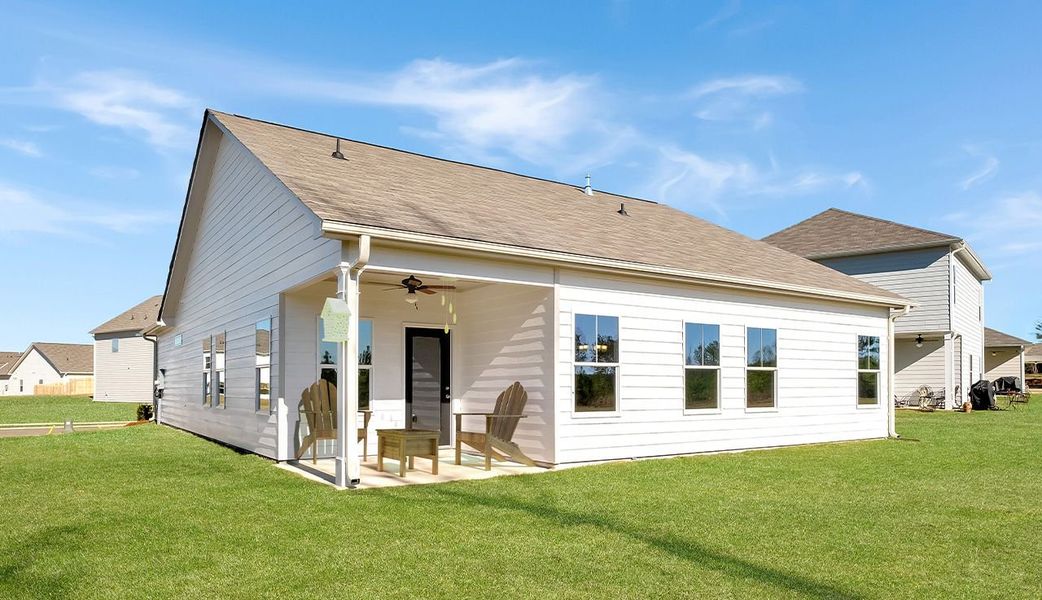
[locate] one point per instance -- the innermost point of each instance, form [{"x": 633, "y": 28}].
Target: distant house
[
  {"x": 940, "y": 342},
  {"x": 7, "y": 361},
  {"x": 1033, "y": 365},
  {"x": 124, "y": 359},
  {"x": 45, "y": 363},
  {"x": 1003, "y": 355},
  {"x": 637, "y": 329}
]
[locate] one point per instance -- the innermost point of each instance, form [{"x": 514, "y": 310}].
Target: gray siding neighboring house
[
  {"x": 45, "y": 363},
  {"x": 940, "y": 342},
  {"x": 124, "y": 359}
]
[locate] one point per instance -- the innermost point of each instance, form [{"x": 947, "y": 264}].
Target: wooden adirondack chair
[
  {"x": 318, "y": 404},
  {"x": 499, "y": 429}
]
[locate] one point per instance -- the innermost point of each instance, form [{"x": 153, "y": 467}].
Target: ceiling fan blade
[
  {"x": 393, "y": 289},
  {"x": 427, "y": 291},
  {"x": 439, "y": 287}
]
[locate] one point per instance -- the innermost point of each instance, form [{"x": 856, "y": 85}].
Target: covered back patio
[{"x": 424, "y": 344}]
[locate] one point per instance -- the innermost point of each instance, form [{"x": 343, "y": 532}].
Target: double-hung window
[
  {"x": 115, "y": 344},
  {"x": 867, "y": 370},
  {"x": 596, "y": 363},
  {"x": 329, "y": 351},
  {"x": 262, "y": 360},
  {"x": 220, "y": 352},
  {"x": 761, "y": 371},
  {"x": 207, "y": 369},
  {"x": 701, "y": 366}
]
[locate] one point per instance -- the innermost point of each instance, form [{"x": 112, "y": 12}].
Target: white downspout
[
  {"x": 892, "y": 410},
  {"x": 348, "y": 467}
]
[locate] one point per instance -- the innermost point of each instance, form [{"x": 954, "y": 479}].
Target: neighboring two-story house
[
  {"x": 940, "y": 342},
  {"x": 124, "y": 358}
]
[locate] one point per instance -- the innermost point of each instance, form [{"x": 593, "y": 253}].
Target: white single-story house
[
  {"x": 637, "y": 330},
  {"x": 46, "y": 363},
  {"x": 940, "y": 342},
  {"x": 7, "y": 361},
  {"x": 124, "y": 358}
]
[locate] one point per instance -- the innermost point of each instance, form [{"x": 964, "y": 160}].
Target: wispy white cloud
[
  {"x": 726, "y": 12},
  {"x": 26, "y": 212},
  {"x": 1011, "y": 227},
  {"x": 132, "y": 103},
  {"x": 749, "y": 85},
  {"x": 740, "y": 98},
  {"x": 690, "y": 180},
  {"x": 22, "y": 147},
  {"x": 989, "y": 166},
  {"x": 114, "y": 172},
  {"x": 485, "y": 108}
]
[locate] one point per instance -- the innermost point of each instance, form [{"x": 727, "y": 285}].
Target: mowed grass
[
  {"x": 954, "y": 511},
  {"x": 55, "y": 409}
]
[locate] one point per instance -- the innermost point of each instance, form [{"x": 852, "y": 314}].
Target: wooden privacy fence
[{"x": 72, "y": 387}]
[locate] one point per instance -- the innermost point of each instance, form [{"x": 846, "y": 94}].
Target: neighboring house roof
[
  {"x": 76, "y": 359},
  {"x": 136, "y": 319},
  {"x": 7, "y": 362},
  {"x": 393, "y": 192},
  {"x": 996, "y": 339},
  {"x": 1033, "y": 352},
  {"x": 834, "y": 233}
]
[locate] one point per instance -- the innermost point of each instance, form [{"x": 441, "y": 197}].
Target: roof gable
[
  {"x": 400, "y": 191},
  {"x": 7, "y": 362},
  {"x": 135, "y": 320},
  {"x": 836, "y": 232},
  {"x": 995, "y": 338},
  {"x": 64, "y": 358}
]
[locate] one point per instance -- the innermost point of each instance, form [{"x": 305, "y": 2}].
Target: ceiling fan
[{"x": 412, "y": 284}]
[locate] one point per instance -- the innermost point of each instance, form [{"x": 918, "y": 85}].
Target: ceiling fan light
[
  {"x": 410, "y": 298},
  {"x": 919, "y": 341}
]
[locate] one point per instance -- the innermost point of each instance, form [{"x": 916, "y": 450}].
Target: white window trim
[
  {"x": 745, "y": 361},
  {"x": 256, "y": 370},
  {"x": 684, "y": 366},
  {"x": 372, "y": 386},
  {"x": 878, "y": 371},
  {"x": 115, "y": 345},
  {"x": 208, "y": 383},
  {"x": 218, "y": 381},
  {"x": 372, "y": 360},
  {"x": 597, "y": 414}
]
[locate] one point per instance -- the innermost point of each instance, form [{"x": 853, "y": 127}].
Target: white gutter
[
  {"x": 892, "y": 410},
  {"x": 982, "y": 271},
  {"x": 338, "y": 229}
]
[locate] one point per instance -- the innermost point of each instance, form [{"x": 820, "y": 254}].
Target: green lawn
[
  {"x": 55, "y": 409},
  {"x": 954, "y": 511}
]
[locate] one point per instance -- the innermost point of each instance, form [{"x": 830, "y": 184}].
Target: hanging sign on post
[{"x": 336, "y": 320}]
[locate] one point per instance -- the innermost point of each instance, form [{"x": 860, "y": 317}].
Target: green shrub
[{"x": 144, "y": 412}]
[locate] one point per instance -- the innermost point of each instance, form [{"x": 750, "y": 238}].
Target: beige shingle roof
[
  {"x": 1033, "y": 352},
  {"x": 835, "y": 232},
  {"x": 135, "y": 319},
  {"x": 995, "y": 338},
  {"x": 7, "y": 362},
  {"x": 393, "y": 189},
  {"x": 66, "y": 358}
]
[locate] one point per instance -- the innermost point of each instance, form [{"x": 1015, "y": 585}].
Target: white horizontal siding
[
  {"x": 253, "y": 241},
  {"x": 32, "y": 371},
  {"x": 915, "y": 367},
  {"x": 126, "y": 375},
  {"x": 920, "y": 275},
  {"x": 1003, "y": 362},
  {"x": 817, "y": 385},
  {"x": 968, "y": 322}
]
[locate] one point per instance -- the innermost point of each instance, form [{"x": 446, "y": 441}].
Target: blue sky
[{"x": 752, "y": 115}]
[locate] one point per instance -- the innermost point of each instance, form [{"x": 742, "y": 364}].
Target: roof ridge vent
[
  {"x": 588, "y": 190},
  {"x": 337, "y": 153}
]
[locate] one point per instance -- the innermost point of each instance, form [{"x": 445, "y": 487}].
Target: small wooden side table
[{"x": 404, "y": 445}]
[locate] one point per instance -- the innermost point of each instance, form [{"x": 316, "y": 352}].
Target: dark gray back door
[{"x": 427, "y": 372}]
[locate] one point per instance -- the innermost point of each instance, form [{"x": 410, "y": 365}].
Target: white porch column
[{"x": 348, "y": 468}]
